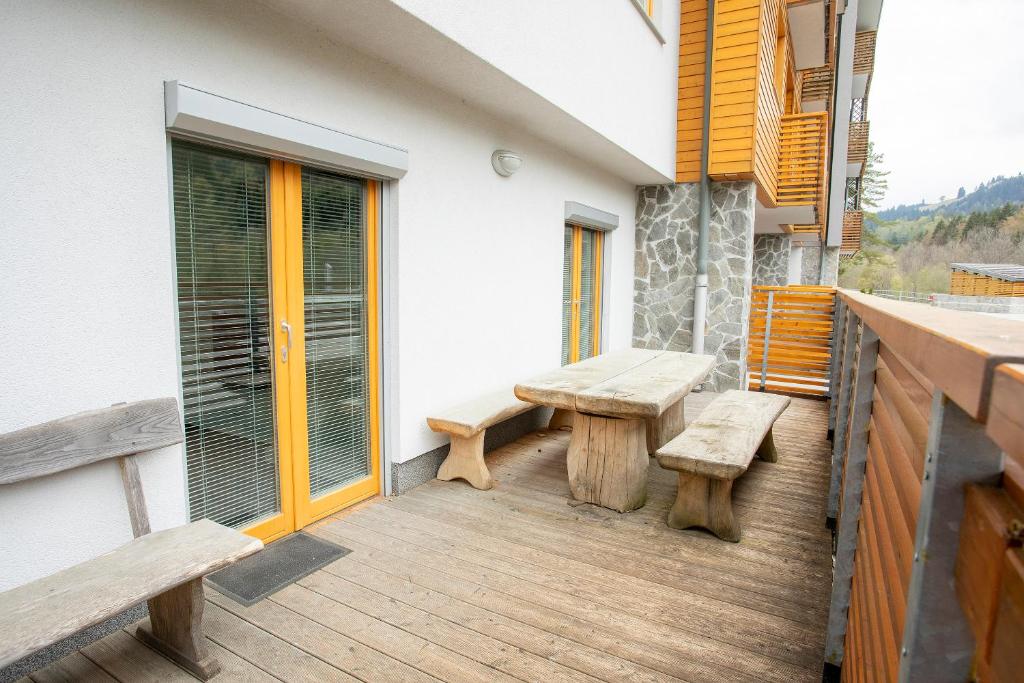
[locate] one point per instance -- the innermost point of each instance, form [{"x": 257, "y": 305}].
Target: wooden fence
[
  {"x": 790, "y": 347},
  {"x": 927, "y": 494}
]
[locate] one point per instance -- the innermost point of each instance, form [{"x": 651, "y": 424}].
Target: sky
[{"x": 946, "y": 104}]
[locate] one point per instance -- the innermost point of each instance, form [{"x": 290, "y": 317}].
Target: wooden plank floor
[{"x": 450, "y": 583}]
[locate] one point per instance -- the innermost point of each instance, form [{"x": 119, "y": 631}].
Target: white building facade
[{"x": 122, "y": 116}]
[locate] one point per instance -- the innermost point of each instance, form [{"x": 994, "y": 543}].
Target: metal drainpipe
[
  {"x": 700, "y": 300},
  {"x": 832, "y": 146}
]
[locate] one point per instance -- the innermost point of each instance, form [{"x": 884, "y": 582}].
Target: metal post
[
  {"x": 938, "y": 645},
  {"x": 838, "y": 318},
  {"x": 767, "y": 336},
  {"x": 842, "y": 400},
  {"x": 853, "y": 488}
]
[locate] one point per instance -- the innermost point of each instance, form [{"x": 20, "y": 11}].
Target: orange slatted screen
[{"x": 798, "y": 339}]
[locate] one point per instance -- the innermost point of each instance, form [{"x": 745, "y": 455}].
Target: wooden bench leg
[
  {"x": 562, "y": 417},
  {"x": 176, "y": 629},
  {"x": 705, "y": 502},
  {"x": 466, "y": 461},
  {"x": 607, "y": 462},
  {"x": 766, "y": 451},
  {"x": 663, "y": 429}
]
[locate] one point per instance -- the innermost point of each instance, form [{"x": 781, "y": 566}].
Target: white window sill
[{"x": 641, "y": 7}]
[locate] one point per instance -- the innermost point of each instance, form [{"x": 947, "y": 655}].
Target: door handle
[{"x": 288, "y": 344}]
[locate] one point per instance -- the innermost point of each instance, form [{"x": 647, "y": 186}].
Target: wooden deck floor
[{"x": 450, "y": 583}]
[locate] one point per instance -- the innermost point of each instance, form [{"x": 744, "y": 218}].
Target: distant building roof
[{"x": 1002, "y": 271}]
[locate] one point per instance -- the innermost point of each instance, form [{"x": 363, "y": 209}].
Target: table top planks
[
  {"x": 647, "y": 390},
  {"x": 635, "y": 383}
]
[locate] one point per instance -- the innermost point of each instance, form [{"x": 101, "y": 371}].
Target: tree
[
  {"x": 961, "y": 193},
  {"x": 873, "y": 184}
]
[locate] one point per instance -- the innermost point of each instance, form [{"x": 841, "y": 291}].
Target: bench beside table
[
  {"x": 625, "y": 404},
  {"x": 466, "y": 424},
  {"x": 714, "y": 450}
]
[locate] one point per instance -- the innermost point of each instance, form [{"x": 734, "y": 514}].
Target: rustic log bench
[
  {"x": 165, "y": 568},
  {"x": 715, "y": 449},
  {"x": 466, "y": 424}
]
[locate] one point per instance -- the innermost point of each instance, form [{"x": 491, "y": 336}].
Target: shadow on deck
[{"x": 447, "y": 582}]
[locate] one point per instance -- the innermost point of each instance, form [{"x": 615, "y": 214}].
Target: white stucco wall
[
  {"x": 599, "y": 61},
  {"x": 87, "y": 306},
  {"x": 796, "y": 260}
]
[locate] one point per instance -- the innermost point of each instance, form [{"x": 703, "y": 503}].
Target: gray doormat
[{"x": 278, "y": 565}]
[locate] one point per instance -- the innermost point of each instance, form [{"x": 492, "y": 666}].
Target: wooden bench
[
  {"x": 165, "y": 568},
  {"x": 466, "y": 424},
  {"x": 714, "y": 450}
]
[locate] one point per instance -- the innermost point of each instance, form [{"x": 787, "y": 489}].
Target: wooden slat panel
[
  {"x": 802, "y": 165},
  {"x": 853, "y": 229},
  {"x": 984, "y": 539},
  {"x": 692, "y": 27},
  {"x": 800, "y": 342},
  {"x": 1007, "y": 659},
  {"x": 89, "y": 437},
  {"x": 1006, "y": 424},
  {"x": 857, "y": 150}
]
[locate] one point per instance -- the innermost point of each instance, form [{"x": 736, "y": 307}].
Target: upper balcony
[
  {"x": 803, "y": 161},
  {"x": 863, "y": 62},
  {"x": 857, "y": 149},
  {"x": 816, "y": 89},
  {"x": 853, "y": 229}
]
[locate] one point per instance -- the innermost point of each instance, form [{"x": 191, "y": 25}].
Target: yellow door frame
[{"x": 298, "y": 509}]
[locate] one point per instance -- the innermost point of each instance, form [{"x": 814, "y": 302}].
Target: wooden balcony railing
[
  {"x": 857, "y": 149},
  {"x": 853, "y": 228},
  {"x": 816, "y": 85},
  {"x": 803, "y": 158},
  {"x": 929, "y": 576},
  {"x": 864, "y": 53}
]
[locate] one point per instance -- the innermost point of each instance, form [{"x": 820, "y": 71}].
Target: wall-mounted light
[{"x": 505, "y": 163}]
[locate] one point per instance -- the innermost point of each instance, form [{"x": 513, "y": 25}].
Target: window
[
  {"x": 581, "y": 293},
  {"x": 858, "y": 110},
  {"x": 853, "y": 194}
]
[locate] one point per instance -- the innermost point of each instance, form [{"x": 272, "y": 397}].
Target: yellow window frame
[{"x": 577, "y": 286}]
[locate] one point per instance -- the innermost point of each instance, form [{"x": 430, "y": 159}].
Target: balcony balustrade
[
  {"x": 857, "y": 150},
  {"x": 853, "y": 228},
  {"x": 803, "y": 157}
]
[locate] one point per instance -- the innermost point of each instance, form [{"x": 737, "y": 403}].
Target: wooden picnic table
[{"x": 625, "y": 404}]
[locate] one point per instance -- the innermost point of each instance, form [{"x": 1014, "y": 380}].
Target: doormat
[{"x": 280, "y": 564}]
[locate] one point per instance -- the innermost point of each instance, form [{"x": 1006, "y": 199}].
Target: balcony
[
  {"x": 857, "y": 149},
  {"x": 816, "y": 89},
  {"x": 802, "y": 174},
  {"x": 863, "y": 62},
  {"x": 853, "y": 228},
  {"x": 448, "y": 582}
]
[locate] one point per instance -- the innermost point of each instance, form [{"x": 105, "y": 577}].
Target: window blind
[
  {"x": 566, "y": 294},
  {"x": 334, "y": 281},
  {"x": 221, "y": 238},
  {"x": 588, "y": 281}
]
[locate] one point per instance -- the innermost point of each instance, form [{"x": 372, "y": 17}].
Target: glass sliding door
[
  {"x": 277, "y": 292},
  {"x": 338, "y": 327},
  {"x": 581, "y": 293},
  {"x": 221, "y": 244}
]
